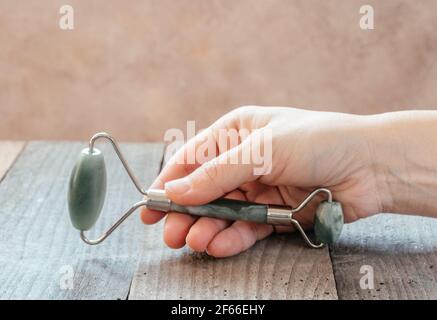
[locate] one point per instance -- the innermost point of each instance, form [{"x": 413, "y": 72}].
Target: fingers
[
  {"x": 203, "y": 231},
  {"x": 240, "y": 236},
  {"x": 213, "y": 179},
  {"x": 188, "y": 181},
  {"x": 152, "y": 216},
  {"x": 176, "y": 228},
  {"x": 176, "y": 167},
  {"x": 196, "y": 232},
  {"x": 182, "y": 163}
]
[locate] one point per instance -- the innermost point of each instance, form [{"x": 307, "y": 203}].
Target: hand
[{"x": 309, "y": 150}]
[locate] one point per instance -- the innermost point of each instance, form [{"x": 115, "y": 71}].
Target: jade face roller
[{"x": 87, "y": 191}]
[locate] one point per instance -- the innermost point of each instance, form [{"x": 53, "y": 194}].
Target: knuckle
[{"x": 210, "y": 170}]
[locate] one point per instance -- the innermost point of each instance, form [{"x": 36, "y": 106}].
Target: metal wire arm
[
  {"x": 300, "y": 207},
  {"x": 104, "y": 135}
]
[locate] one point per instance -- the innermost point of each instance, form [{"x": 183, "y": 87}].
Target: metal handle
[{"x": 240, "y": 210}]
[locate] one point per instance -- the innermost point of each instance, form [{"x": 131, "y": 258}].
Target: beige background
[{"x": 137, "y": 68}]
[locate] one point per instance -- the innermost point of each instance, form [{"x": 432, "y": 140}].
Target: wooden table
[{"x": 39, "y": 248}]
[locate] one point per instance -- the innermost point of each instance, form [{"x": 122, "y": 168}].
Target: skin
[{"x": 376, "y": 163}]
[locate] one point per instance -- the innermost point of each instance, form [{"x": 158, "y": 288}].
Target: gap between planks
[{"x": 9, "y": 152}]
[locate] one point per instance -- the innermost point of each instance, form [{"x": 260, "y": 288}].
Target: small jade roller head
[
  {"x": 328, "y": 222},
  {"x": 87, "y": 189}
]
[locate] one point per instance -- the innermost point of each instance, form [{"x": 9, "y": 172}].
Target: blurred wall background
[{"x": 136, "y": 68}]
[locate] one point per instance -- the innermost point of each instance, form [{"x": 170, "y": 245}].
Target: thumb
[{"x": 212, "y": 179}]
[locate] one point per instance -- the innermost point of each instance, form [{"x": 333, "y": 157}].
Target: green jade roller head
[{"x": 87, "y": 190}]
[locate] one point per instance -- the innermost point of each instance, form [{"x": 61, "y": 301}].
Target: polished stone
[
  {"x": 87, "y": 189},
  {"x": 227, "y": 209},
  {"x": 328, "y": 222}
]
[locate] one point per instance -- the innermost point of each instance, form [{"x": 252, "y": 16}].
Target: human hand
[{"x": 310, "y": 149}]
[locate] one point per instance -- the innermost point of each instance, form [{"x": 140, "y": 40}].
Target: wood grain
[
  {"x": 39, "y": 247},
  {"x": 9, "y": 150},
  {"x": 402, "y": 250},
  {"x": 280, "y": 267}
]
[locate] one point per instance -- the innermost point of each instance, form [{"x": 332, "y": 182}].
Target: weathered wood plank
[
  {"x": 402, "y": 250},
  {"x": 40, "y": 250},
  {"x": 280, "y": 267},
  {"x": 9, "y": 150}
]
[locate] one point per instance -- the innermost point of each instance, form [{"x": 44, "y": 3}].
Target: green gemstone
[
  {"x": 227, "y": 209},
  {"x": 328, "y": 222},
  {"x": 87, "y": 189}
]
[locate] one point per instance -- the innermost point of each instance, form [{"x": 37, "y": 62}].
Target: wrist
[{"x": 403, "y": 154}]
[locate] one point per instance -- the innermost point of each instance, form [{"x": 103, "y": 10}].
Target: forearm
[{"x": 403, "y": 147}]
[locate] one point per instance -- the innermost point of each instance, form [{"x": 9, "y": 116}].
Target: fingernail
[{"x": 178, "y": 186}]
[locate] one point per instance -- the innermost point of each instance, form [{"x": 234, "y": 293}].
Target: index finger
[
  {"x": 185, "y": 160},
  {"x": 180, "y": 164}
]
